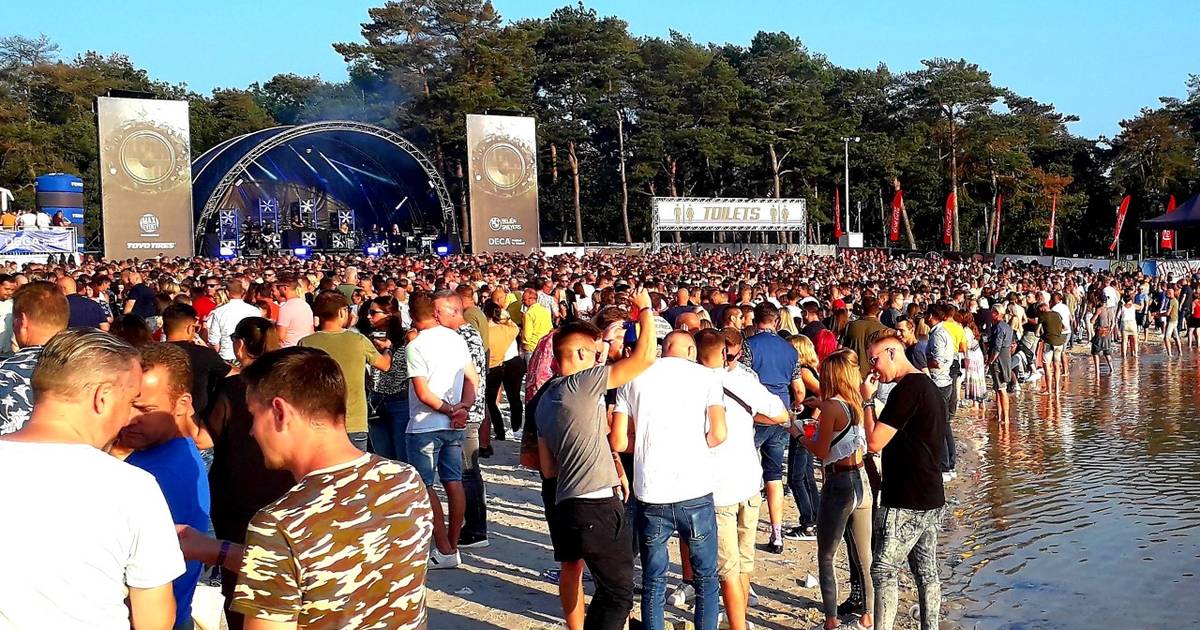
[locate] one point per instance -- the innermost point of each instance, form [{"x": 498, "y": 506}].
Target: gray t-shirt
[{"x": 571, "y": 419}]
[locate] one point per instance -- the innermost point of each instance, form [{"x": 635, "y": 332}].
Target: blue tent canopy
[
  {"x": 377, "y": 174},
  {"x": 1184, "y": 216}
]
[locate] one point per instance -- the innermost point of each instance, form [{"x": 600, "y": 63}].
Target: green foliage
[{"x": 754, "y": 120}]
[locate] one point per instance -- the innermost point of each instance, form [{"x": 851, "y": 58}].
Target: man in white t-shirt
[
  {"x": 442, "y": 388},
  {"x": 676, "y": 412},
  {"x": 739, "y": 472},
  {"x": 83, "y": 530}
]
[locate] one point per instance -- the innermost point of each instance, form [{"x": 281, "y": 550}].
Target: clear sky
[{"x": 1102, "y": 60}]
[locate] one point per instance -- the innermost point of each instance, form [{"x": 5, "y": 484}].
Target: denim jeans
[
  {"x": 388, "y": 426},
  {"x": 475, "y": 523},
  {"x": 911, "y": 535},
  {"x": 845, "y": 512},
  {"x": 437, "y": 455},
  {"x": 950, "y": 397},
  {"x": 696, "y": 521},
  {"x": 802, "y": 482}
]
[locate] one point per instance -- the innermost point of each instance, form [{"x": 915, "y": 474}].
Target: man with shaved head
[
  {"x": 688, "y": 322},
  {"x": 85, "y": 312},
  {"x": 676, "y": 413}
]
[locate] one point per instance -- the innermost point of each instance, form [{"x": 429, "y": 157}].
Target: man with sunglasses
[
  {"x": 206, "y": 302},
  {"x": 908, "y": 434}
]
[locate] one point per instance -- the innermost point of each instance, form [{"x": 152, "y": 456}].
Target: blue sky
[{"x": 1102, "y": 60}]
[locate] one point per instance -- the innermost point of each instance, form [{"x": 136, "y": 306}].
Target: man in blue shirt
[
  {"x": 85, "y": 312},
  {"x": 777, "y": 365},
  {"x": 154, "y": 434}
]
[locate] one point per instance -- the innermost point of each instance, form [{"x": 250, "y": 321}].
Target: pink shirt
[{"x": 296, "y": 316}]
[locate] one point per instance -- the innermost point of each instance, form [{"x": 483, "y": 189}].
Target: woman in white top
[
  {"x": 839, "y": 441},
  {"x": 1127, "y": 320}
]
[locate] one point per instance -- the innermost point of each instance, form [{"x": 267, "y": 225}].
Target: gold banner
[
  {"x": 145, "y": 177},
  {"x": 502, "y": 159}
]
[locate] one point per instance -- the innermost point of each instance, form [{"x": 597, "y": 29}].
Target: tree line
[{"x": 622, "y": 119}]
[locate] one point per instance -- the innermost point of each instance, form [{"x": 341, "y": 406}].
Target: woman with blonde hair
[{"x": 840, "y": 441}]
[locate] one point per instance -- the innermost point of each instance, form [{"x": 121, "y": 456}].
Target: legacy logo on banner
[
  {"x": 683, "y": 214},
  {"x": 145, "y": 177},
  {"x": 502, "y": 165}
]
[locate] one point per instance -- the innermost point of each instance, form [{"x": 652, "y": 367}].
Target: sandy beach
[{"x": 504, "y": 584}]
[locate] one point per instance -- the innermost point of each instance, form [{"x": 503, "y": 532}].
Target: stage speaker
[
  {"x": 309, "y": 239},
  {"x": 447, "y": 245}
]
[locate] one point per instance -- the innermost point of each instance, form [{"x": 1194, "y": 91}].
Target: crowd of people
[{"x": 290, "y": 422}]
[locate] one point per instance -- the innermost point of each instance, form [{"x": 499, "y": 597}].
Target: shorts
[
  {"x": 1193, "y": 322},
  {"x": 737, "y": 525},
  {"x": 437, "y": 452},
  {"x": 771, "y": 442},
  {"x": 590, "y": 528},
  {"x": 1000, "y": 372},
  {"x": 1101, "y": 344},
  {"x": 1054, "y": 353}
]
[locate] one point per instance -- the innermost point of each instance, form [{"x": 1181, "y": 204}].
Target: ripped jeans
[{"x": 911, "y": 534}]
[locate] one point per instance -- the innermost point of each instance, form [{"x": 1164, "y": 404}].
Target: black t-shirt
[
  {"x": 208, "y": 368},
  {"x": 916, "y": 410},
  {"x": 812, "y": 329},
  {"x": 84, "y": 312},
  {"x": 239, "y": 478},
  {"x": 144, "y": 304}
]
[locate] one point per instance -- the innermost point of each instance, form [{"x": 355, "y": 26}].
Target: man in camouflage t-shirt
[{"x": 347, "y": 547}]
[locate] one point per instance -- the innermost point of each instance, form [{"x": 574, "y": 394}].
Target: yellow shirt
[
  {"x": 957, "y": 334},
  {"x": 514, "y": 311},
  {"x": 536, "y": 324}
]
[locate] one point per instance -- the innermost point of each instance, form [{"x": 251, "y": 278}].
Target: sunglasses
[
  {"x": 875, "y": 359},
  {"x": 213, "y": 286},
  {"x": 376, "y": 312}
]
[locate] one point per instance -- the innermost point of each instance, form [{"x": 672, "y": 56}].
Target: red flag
[
  {"x": 837, "y": 214},
  {"x": 897, "y": 204},
  {"x": 996, "y": 226},
  {"x": 948, "y": 221},
  {"x": 1167, "y": 240},
  {"x": 1120, "y": 222},
  {"x": 1049, "y": 244}
]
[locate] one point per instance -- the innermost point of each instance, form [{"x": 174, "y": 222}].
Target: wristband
[{"x": 223, "y": 553}]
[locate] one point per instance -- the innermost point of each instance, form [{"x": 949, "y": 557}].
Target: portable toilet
[{"x": 62, "y": 192}]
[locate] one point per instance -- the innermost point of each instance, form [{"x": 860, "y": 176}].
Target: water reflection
[{"x": 1086, "y": 510}]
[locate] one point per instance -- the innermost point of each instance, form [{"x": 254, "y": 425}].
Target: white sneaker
[
  {"x": 752, "y": 599},
  {"x": 683, "y": 594},
  {"x": 723, "y": 622},
  {"x": 517, "y": 435},
  {"x": 438, "y": 560},
  {"x": 946, "y": 477}
]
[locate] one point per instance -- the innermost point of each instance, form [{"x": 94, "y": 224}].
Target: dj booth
[{"x": 319, "y": 240}]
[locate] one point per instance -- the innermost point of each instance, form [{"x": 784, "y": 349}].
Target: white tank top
[{"x": 847, "y": 441}]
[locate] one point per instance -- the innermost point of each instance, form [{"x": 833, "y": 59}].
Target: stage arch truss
[{"x": 375, "y": 174}]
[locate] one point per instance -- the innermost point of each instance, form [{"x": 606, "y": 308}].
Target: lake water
[{"x": 1086, "y": 514}]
